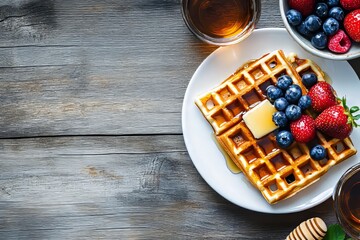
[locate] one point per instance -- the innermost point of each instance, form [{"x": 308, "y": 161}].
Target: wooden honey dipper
[{"x": 311, "y": 229}]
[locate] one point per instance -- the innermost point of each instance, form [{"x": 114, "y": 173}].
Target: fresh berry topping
[
  {"x": 304, "y": 6},
  {"x": 322, "y": 96},
  {"x": 309, "y": 79},
  {"x": 294, "y": 17},
  {"x": 350, "y": 4},
  {"x": 325, "y": 19},
  {"x": 304, "y": 102},
  {"x": 313, "y": 23},
  {"x": 338, "y": 121},
  {"x": 352, "y": 25},
  {"x": 273, "y": 93},
  {"x": 281, "y": 104},
  {"x": 337, "y": 13},
  {"x": 304, "y": 31},
  {"x": 293, "y": 112},
  {"x": 303, "y": 129},
  {"x": 318, "y": 153},
  {"x": 319, "y": 40},
  {"x": 284, "y": 139},
  {"x": 331, "y": 26},
  {"x": 339, "y": 43},
  {"x": 293, "y": 93},
  {"x": 280, "y": 119},
  {"x": 284, "y": 81},
  {"x": 321, "y": 10},
  {"x": 332, "y": 3}
]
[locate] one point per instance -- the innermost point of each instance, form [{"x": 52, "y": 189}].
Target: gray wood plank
[
  {"x": 65, "y": 63},
  {"x": 114, "y": 72},
  {"x": 124, "y": 188}
]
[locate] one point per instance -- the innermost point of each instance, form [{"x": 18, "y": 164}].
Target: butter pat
[{"x": 259, "y": 119}]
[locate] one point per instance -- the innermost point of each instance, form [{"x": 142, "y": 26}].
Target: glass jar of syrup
[{"x": 347, "y": 201}]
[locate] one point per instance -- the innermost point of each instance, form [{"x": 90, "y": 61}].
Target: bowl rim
[{"x": 301, "y": 41}]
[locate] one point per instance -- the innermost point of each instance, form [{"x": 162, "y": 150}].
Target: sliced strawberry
[
  {"x": 337, "y": 121},
  {"x": 322, "y": 96},
  {"x": 303, "y": 129},
  {"x": 352, "y": 25},
  {"x": 306, "y": 7}
]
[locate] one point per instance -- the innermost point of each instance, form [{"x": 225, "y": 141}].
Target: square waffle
[{"x": 277, "y": 173}]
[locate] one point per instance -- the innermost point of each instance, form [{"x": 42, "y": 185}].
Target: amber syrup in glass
[
  {"x": 350, "y": 200},
  {"x": 220, "y": 18}
]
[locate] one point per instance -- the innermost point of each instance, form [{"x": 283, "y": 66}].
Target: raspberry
[{"x": 339, "y": 42}]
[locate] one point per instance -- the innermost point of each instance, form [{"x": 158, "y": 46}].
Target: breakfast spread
[
  {"x": 271, "y": 120},
  {"x": 311, "y": 229},
  {"x": 331, "y": 24}
]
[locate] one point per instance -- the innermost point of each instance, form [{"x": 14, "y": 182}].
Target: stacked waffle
[{"x": 277, "y": 173}]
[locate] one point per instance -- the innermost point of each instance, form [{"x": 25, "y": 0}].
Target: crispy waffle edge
[{"x": 295, "y": 66}]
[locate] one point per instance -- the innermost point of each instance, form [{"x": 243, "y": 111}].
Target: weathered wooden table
[{"x": 90, "y": 120}]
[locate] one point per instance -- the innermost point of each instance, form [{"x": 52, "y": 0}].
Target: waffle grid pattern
[
  {"x": 224, "y": 106},
  {"x": 277, "y": 173}
]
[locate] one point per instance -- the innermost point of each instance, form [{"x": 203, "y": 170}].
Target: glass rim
[
  {"x": 336, "y": 194},
  {"x": 223, "y": 41}
]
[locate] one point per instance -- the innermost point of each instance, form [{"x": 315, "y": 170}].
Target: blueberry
[
  {"x": 294, "y": 17},
  {"x": 309, "y": 79},
  {"x": 284, "y": 81},
  {"x": 281, "y": 104},
  {"x": 280, "y": 119},
  {"x": 293, "y": 112},
  {"x": 337, "y": 13},
  {"x": 304, "y": 31},
  {"x": 293, "y": 93},
  {"x": 318, "y": 153},
  {"x": 332, "y": 3},
  {"x": 321, "y": 10},
  {"x": 313, "y": 23},
  {"x": 284, "y": 139},
  {"x": 304, "y": 102},
  {"x": 319, "y": 40},
  {"x": 331, "y": 26},
  {"x": 273, "y": 93}
]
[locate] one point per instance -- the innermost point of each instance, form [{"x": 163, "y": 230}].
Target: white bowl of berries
[{"x": 326, "y": 28}]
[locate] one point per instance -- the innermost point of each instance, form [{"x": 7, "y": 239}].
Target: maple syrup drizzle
[{"x": 229, "y": 162}]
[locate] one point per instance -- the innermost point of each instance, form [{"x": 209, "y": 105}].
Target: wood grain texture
[
  {"x": 121, "y": 187},
  {"x": 64, "y": 63},
  {"x": 91, "y": 145}
]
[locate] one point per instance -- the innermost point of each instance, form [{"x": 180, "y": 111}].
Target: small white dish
[
  {"x": 353, "y": 53},
  {"x": 198, "y": 134}
]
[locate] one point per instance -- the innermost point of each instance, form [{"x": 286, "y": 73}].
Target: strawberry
[
  {"x": 322, "y": 96},
  {"x": 305, "y": 7},
  {"x": 337, "y": 121},
  {"x": 350, "y": 4},
  {"x": 303, "y": 129},
  {"x": 352, "y": 25}
]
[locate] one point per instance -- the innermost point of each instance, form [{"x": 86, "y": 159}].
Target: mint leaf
[{"x": 334, "y": 232}]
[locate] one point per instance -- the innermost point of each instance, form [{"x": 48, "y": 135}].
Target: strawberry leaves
[{"x": 350, "y": 113}]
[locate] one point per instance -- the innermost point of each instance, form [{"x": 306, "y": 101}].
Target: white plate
[{"x": 198, "y": 134}]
